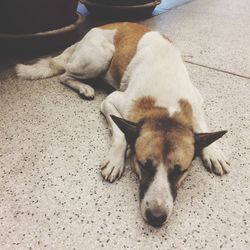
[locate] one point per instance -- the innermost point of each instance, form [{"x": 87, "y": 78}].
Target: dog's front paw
[
  {"x": 214, "y": 160},
  {"x": 113, "y": 169}
]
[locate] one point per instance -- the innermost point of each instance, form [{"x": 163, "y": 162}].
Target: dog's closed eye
[
  {"x": 147, "y": 166},
  {"x": 178, "y": 170}
]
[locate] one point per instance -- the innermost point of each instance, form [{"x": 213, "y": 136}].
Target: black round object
[
  {"x": 123, "y": 2},
  {"x": 31, "y": 16},
  {"x": 42, "y": 42},
  {"x": 120, "y": 12}
]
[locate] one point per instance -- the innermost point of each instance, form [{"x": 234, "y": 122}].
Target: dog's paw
[
  {"x": 87, "y": 91},
  {"x": 113, "y": 169},
  {"x": 214, "y": 160}
]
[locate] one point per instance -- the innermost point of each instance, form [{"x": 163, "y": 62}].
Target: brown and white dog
[{"x": 156, "y": 110}]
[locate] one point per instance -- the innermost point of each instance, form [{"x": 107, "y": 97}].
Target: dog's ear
[
  {"x": 202, "y": 140},
  {"x": 130, "y": 129}
]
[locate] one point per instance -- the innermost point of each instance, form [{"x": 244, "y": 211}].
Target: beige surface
[
  {"x": 52, "y": 142},
  {"x": 215, "y": 33}
]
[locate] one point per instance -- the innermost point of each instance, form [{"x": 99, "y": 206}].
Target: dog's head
[{"x": 162, "y": 150}]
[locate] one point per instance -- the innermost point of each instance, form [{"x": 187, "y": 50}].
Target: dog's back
[
  {"x": 126, "y": 39},
  {"x": 146, "y": 63}
]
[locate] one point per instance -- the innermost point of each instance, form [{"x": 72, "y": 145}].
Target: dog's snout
[{"x": 156, "y": 217}]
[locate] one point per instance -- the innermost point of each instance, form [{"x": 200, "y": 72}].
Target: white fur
[
  {"x": 93, "y": 54},
  {"x": 158, "y": 194},
  {"x": 83, "y": 89},
  {"x": 86, "y": 59},
  {"x": 214, "y": 160},
  {"x": 45, "y": 68},
  {"x": 158, "y": 70},
  {"x": 114, "y": 165}
]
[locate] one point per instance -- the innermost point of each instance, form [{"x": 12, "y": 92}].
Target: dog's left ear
[
  {"x": 202, "y": 140},
  {"x": 130, "y": 129}
]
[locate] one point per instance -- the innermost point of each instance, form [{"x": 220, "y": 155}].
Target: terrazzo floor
[{"x": 52, "y": 143}]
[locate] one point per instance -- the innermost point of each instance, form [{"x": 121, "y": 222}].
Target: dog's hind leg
[
  {"x": 115, "y": 162},
  {"x": 90, "y": 59},
  {"x": 83, "y": 89},
  {"x": 93, "y": 54},
  {"x": 46, "y": 67}
]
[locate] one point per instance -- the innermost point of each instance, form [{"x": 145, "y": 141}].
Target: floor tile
[
  {"x": 52, "y": 195},
  {"x": 210, "y": 32}
]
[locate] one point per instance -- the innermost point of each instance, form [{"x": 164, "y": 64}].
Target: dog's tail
[{"x": 45, "y": 68}]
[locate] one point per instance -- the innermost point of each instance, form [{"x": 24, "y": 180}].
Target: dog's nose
[{"x": 156, "y": 217}]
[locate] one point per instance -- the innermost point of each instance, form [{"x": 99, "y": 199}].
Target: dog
[{"x": 155, "y": 112}]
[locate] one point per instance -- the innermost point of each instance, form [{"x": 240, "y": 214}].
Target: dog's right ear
[
  {"x": 130, "y": 129},
  {"x": 203, "y": 140}
]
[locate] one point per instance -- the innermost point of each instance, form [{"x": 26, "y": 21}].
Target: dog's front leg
[
  {"x": 213, "y": 158},
  {"x": 115, "y": 162}
]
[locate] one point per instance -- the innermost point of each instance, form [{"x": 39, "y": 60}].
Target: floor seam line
[{"x": 219, "y": 70}]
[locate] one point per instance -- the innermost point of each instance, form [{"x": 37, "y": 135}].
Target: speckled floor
[{"x": 52, "y": 142}]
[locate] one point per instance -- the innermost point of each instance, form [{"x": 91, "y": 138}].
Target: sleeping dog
[{"x": 155, "y": 112}]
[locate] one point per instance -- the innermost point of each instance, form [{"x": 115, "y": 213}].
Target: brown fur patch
[
  {"x": 164, "y": 139},
  {"x": 126, "y": 41},
  {"x": 185, "y": 117},
  {"x": 145, "y": 108}
]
